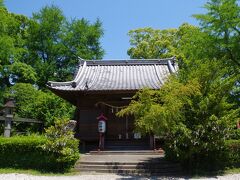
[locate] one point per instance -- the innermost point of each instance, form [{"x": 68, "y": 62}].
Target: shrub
[
  {"x": 57, "y": 151},
  {"x": 235, "y": 134},
  {"x": 233, "y": 152},
  {"x": 23, "y": 152},
  {"x": 61, "y": 142}
]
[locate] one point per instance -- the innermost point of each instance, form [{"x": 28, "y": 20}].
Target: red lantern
[
  {"x": 101, "y": 123},
  {"x": 101, "y": 129}
]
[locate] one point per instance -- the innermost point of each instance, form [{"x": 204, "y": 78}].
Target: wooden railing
[{"x": 18, "y": 119}]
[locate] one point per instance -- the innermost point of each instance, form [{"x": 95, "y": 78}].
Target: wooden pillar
[
  {"x": 82, "y": 145},
  {"x": 77, "y": 116},
  {"x": 152, "y": 141},
  {"x": 101, "y": 141}
]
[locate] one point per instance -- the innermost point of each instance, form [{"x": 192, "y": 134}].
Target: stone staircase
[{"x": 127, "y": 163}]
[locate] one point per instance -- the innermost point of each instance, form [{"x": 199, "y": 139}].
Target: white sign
[
  {"x": 137, "y": 135},
  {"x": 101, "y": 126}
]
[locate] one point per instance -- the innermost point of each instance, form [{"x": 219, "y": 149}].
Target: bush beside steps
[{"x": 57, "y": 151}]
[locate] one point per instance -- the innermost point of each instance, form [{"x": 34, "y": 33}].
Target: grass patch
[
  {"x": 232, "y": 171},
  {"x": 199, "y": 173},
  {"x": 36, "y": 172}
]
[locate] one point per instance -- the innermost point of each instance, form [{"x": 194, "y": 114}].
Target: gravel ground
[{"x": 102, "y": 177}]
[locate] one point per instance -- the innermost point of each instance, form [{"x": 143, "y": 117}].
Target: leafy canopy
[
  {"x": 222, "y": 21},
  {"x": 55, "y": 44},
  {"x": 36, "y": 104}
]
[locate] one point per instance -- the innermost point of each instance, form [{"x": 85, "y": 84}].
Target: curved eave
[
  {"x": 66, "y": 95},
  {"x": 73, "y": 95}
]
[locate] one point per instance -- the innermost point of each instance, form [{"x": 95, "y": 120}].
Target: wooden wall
[{"x": 89, "y": 109}]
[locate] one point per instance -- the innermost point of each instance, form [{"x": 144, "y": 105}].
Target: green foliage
[
  {"x": 12, "y": 32},
  {"x": 187, "y": 43},
  {"x": 21, "y": 143},
  {"x": 57, "y": 151},
  {"x": 13, "y": 49},
  {"x": 196, "y": 123},
  {"x": 23, "y": 152},
  {"x": 36, "y": 104},
  {"x": 235, "y": 134},
  {"x": 159, "y": 111},
  {"x": 61, "y": 141},
  {"x": 193, "y": 111},
  {"x": 222, "y": 22},
  {"x": 54, "y": 44},
  {"x": 21, "y": 72},
  {"x": 1, "y": 3},
  {"x": 44, "y": 47},
  {"x": 149, "y": 43},
  {"x": 194, "y": 116},
  {"x": 233, "y": 152}
]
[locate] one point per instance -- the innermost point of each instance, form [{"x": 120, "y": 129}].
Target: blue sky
[{"x": 119, "y": 16}]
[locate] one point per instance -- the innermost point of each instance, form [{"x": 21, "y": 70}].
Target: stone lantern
[{"x": 8, "y": 114}]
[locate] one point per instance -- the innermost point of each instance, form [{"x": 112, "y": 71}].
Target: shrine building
[{"x": 102, "y": 88}]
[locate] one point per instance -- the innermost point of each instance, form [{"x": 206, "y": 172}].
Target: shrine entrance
[
  {"x": 120, "y": 135},
  {"x": 120, "y": 131},
  {"x": 120, "y": 128}
]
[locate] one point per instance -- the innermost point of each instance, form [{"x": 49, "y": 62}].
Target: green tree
[
  {"x": 194, "y": 117},
  {"x": 222, "y": 21},
  {"x": 148, "y": 43},
  {"x": 193, "y": 110},
  {"x": 1, "y": 3},
  {"x": 55, "y": 44},
  {"x": 44, "y": 42},
  {"x": 13, "y": 48},
  {"x": 186, "y": 43},
  {"x": 36, "y": 104}
]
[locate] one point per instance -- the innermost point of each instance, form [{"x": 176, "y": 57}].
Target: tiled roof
[{"x": 105, "y": 75}]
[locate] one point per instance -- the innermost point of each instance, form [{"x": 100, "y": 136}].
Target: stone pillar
[{"x": 7, "y": 129}]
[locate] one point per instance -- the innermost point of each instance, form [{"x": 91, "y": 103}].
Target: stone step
[
  {"x": 127, "y": 162},
  {"x": 128, "y": 166},
  {"x": 133, "y": 171},
  {"x": 124, "y": 163},
  {"x": 156, "y": 167},
  {"x": 131, "y": 152}
]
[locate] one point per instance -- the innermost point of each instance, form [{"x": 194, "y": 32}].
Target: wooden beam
[{"x": 18, "y": 119}]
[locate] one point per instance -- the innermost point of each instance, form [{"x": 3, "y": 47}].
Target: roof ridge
[{"x": 128, "y": 62}]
